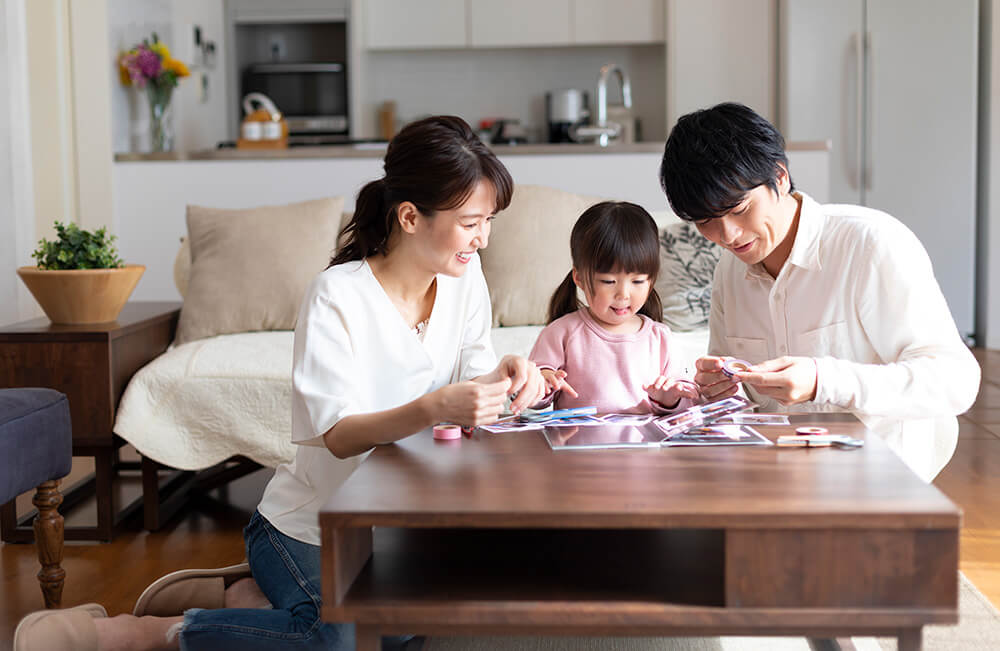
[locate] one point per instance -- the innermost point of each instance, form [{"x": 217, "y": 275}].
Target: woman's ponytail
[
  {"x": 368, "y": 231},
  {"x": 564, "y": 300}
]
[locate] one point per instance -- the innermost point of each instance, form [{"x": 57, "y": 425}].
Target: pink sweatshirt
[{"x": 608, "y": 370}]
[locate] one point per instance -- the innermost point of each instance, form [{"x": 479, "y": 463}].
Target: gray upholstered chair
[{"x": 36, "y": 451}]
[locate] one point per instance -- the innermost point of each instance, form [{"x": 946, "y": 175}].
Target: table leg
[
  {"x": 910, "y": 639},
  {"x": 367, "y": 638},
  {"x": 48, "y": 527},
  {"x": 104, "y": 471}
]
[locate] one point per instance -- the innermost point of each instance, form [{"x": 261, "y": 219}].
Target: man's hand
[
  {"x": 556, "y": 381},
  {"x": 713, "y": 383},
  {"x": 789, "y": 380}
]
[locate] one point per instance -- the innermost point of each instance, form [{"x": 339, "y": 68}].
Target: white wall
[
  {"x": 510, "y": 82},
  {"x": 988, "y": 294}
]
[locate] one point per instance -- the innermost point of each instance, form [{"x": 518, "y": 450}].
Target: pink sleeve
[{"x": 549, "y": 353}]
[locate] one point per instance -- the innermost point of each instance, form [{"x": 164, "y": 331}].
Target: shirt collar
[{"x": 805, "y": 249}]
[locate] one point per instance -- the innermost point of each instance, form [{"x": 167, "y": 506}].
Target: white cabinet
[
  {"x": 514, "y": 23},
  {"x": 897, "y": 96},
  {"x": 612, "y": 21},
  {"x": 718, "y": 51},
  {"x": 405, "y": 24},
  {"x": 286, "y": 11}
]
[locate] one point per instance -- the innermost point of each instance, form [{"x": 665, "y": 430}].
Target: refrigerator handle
[{"x": 869, "y": 156}]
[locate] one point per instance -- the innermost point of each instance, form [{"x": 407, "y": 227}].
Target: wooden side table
[{"x": 92, "y": 365}]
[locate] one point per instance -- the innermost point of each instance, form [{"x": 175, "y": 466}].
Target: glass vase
[{"x": 161, "y": 137}]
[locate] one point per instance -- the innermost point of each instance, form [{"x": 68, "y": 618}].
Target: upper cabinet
[
  {"x": 519, "y": 23},
  {"x": 404, "y": 24},
  {"x": 286, "y": 11},
  {"x": 613, "y": 21}
]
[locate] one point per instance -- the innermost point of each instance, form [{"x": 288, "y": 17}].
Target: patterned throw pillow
[{"x": 687, "y": 262}]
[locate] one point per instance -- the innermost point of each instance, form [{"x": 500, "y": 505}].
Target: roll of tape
[
  {"x": 734, "y": 366},
  {"x": 447, "y": 432},
  {"x": 807, "y": 431}
]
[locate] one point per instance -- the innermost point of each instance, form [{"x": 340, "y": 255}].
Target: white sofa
[{"x": 210, "y": 399}]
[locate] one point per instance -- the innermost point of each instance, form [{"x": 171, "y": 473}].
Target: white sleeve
[
  {"x": 477, "y": 356},
  {"x": 322, "y": 370},
  {"x": 928, "y": 371}
]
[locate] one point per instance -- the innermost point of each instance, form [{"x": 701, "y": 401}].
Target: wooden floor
[{"x": 209, "y": 533}]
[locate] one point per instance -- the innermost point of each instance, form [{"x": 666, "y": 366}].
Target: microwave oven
[{"x": 311, "y": 96}]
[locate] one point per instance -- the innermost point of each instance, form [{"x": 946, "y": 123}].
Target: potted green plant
[{"x": 79, "y": 277}]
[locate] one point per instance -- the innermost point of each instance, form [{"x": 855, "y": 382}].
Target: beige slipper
[
  {"x": 69, "y": 628},
  {"x": 172, "y": 594}
]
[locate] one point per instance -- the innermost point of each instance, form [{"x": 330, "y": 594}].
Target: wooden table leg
[
  {"x": 48, "y": 528},
  {"x": 367, "y": 638},
  {"x": 910, "y": 639},
  {"x": 104, "y": 471}
]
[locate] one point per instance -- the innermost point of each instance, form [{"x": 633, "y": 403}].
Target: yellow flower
[
  {"x": 161, "y": 50},
  {"x": 177, "y": 67},
  {"x": 123, "y": 75}
]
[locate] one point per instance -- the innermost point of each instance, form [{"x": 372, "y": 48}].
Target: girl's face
[
  {"x": 450, "y": 237},
  {"x": 615, "y": 298}
]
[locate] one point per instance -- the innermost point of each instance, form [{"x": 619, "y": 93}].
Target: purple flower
[{"x": 148, "y": 63}]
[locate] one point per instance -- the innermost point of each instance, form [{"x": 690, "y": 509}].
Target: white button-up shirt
[
  {"x": 858, "y": 294},
  {"x": 355, "y": 354}
]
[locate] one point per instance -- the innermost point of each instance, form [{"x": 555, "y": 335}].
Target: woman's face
[{"x": 450, "y": 237}]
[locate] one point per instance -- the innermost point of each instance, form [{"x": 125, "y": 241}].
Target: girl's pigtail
[
  {"x": 368, "y": 231},
  {"x": 653, "y": 308},
  {"x": 563, "y": 300}
]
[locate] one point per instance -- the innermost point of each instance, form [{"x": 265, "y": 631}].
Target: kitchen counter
[{"x": 377, "y": 150}]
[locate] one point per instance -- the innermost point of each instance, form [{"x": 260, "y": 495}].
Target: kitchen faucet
[{"x": 604, "y": 131}]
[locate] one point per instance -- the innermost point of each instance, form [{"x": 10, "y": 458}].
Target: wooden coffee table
[{"x": 500, "y": 535}]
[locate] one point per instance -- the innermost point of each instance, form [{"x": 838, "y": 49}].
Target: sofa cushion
[
  {"x": 250, "y": 268},
  {"x": 528, "y": 252},
  {"x": 687, "y": 264}
]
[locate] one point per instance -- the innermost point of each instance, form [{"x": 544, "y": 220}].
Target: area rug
[{"x": 978, "y": 629}]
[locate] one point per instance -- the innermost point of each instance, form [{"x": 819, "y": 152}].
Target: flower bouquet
[{"x": 149, "y": 66}]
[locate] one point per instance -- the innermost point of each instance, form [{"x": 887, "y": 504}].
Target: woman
[{"x": 393, "y": 337}]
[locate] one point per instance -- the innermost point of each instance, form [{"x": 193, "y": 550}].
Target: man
[{"x": 836, "y": 306}]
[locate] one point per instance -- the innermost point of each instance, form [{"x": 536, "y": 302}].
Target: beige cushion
[
  {"x": 528, "y": 252},
  {"x": 250, "y": 268}
]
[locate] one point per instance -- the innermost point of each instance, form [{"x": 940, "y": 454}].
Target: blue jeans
[{"x": 287, "y": 572}]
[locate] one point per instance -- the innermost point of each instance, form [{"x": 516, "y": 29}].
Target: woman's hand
[
  {"x": 556, "y": 381},
  {"x": 526, "y": 382},
  {"x": 668, "y": 391},
  {"x": 789, "y": 380},
  {"x": 471, "y": 403},
  {"x": 711, "y": 381}
]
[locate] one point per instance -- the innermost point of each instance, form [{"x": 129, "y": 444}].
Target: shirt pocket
[
  {"x": 827, "y": 341},
  {"x": 747, "y": 348}
]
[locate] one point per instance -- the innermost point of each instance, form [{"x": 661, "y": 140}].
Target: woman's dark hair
[
  {"x": 611, "y": 236},
  {"x": 713, "y": 157},
  {"x": 436, "y": 164}
]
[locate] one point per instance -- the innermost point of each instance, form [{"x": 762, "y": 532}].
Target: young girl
[
  {"x": 392, "y": 338},
  {"x": 612, "y": 353}
]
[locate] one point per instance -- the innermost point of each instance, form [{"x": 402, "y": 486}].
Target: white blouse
[
  {"x": 858, "y": 294},
  {"x": 354, "y": 353}
]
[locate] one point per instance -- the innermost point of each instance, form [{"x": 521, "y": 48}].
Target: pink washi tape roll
[
  {"x": 807, "y": 431},
  {"x": 734, "y": 366},
  {"x": 447, "y": 432}
]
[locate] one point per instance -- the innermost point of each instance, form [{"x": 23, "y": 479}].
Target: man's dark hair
[{"x": 714, "y": 156}]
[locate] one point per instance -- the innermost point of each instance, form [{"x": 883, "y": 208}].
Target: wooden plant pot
[{"x": 78, "y": 296}]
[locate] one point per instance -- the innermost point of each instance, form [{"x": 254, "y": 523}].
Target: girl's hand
[
  {"x": 470, "y": 403},
  {"x": 526, "y": 382},
  {"x": 711, "y": 381},
  {"x": 668, "y": 391},
  {"x": 556, "y": 381},
  {"x": 789, "y": 380}
]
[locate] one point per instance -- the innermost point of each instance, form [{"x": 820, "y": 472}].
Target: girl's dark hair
[
  {"x": 611, "y": 236},
  {"x": 713, "y": 157},
  {"x": 436, "y": 164}
]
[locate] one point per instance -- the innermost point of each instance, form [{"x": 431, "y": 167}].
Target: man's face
[{"x": 755, "y": 229}]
